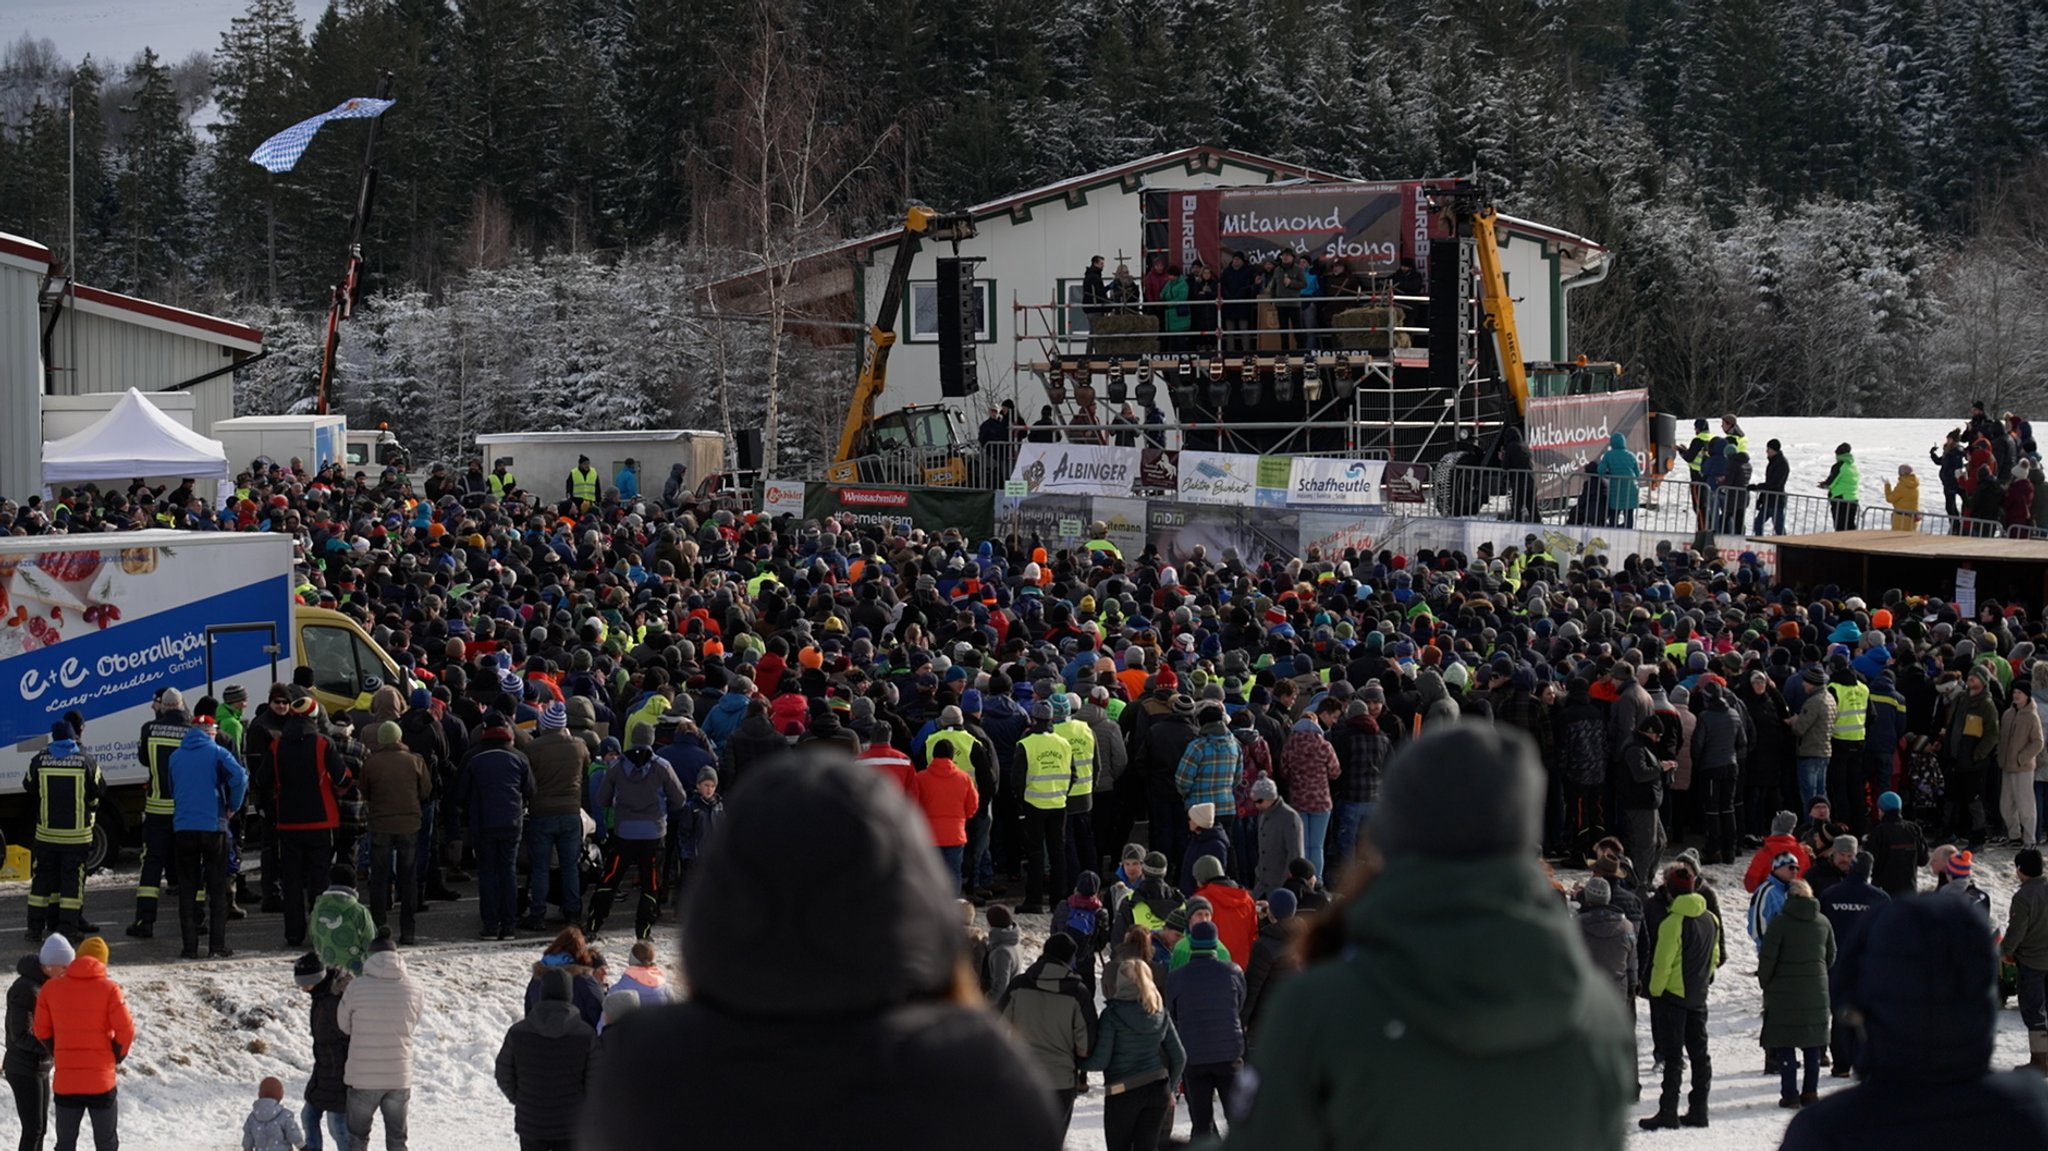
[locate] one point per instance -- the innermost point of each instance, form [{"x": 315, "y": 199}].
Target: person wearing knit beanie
[
  {"x": 1457, "y": 832},
  {"x": 554, "y": 717},
  {"x": 1281, "y": 904},
  {"x": 57, "y": 953},
  {"x": 93, "y": 948}
]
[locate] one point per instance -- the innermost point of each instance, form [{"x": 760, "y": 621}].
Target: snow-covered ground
[
  {"x": 1880, "y": 447},
  {"x": 208, "y": 1032}
]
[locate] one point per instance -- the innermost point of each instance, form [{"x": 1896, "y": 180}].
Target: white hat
[{"x": 1203, "y": 814}]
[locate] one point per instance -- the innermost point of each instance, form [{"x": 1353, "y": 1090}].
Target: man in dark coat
[
  {"x": 325, "y": 1089},
  {"x": 544, "y": 1067},
  {"x": 1849, "y": 906},
  {"x": 1897, "y": 848},
  {"x": 1206, "y": 999},
  {"x": 1923, "y": 976}
]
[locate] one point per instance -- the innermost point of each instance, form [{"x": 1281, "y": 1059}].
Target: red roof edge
[
  {"x": 27, "y": 249},
  {"x": 165, "y": 312}
]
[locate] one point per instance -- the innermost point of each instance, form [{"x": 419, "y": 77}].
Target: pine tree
[
  {"x": 260, "y": 87},
  {"x": 156, "y": 220}
]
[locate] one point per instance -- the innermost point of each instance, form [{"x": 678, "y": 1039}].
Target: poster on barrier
[
  {"x": 780, "y": 496},
  {"x": 1039, "y": 516},
  {"x": 1225, "y": 479},
  {"x": 1178, "y": 529},
  {"x": 897, "y": 509},
  {"x": 1566, "y": 432},
  {"x": 1126, "y": 522},
  {"x": 1077, "y": 469},
  {"x": 1331, "y": 534},
  {"x": 1274, "y": 472},
  {"x": 1318, "y": 481}
]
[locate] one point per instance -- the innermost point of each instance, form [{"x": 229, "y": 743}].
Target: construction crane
[{"x": 932, "y": 429}]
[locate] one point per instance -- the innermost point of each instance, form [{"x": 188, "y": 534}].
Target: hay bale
[
  {"x": 1370, "y": 316},
  {"x": 1124, "y": 334}
]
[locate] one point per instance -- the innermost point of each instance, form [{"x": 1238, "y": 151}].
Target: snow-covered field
[
  {"x": 1880, "y": 447},
  {"x": 208, "y": 1032}
]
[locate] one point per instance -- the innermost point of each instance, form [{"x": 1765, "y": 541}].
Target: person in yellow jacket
[
  {"x": 1904, "y": 497},
  {"x": 1045, "y": 761}
]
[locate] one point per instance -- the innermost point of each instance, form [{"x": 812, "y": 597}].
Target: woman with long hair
[{"x": 1141, "y": 1059}]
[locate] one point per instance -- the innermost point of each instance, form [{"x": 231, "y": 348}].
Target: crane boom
[
  {"x": 1500, "y": 310},
  {"x": 918, "y": 223}
]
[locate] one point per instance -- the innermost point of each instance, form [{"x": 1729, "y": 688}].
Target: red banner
[{"x": 1373, "y": 228}]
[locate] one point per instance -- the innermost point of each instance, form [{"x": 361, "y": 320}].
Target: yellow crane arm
[{"x": 1500, "y": 310}]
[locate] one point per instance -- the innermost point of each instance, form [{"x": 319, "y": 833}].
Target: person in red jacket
[
  {"x": 949, "y": 800},
  {"x": 1780, "y": 839},
  {"x": 83, "y": 1019},
  {"x": 1236, "y": 914}
]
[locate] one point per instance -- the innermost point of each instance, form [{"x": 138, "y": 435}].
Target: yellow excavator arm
[
  {"x": 1500, "y": 310},
  {"x": 918, "y": 223}
]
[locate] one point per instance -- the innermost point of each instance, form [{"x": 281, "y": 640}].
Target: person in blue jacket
[
  {"x": 1922, "y": 975},
  {"x": 207, "y": 785},
  {"x": 1619, "y": 470},
  {"x": 628, "y": 481}
]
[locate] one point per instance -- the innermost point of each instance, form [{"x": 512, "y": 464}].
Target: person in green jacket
[
  {"x": 1792, "y": 966},
  {"x": 1176, "y": 320},
  {"x": 1458, "y": 976},
  {"x": 341, "y": 927},
  {"x": 1841, "y": 488},
  {"x": 1618, "y": 467}
]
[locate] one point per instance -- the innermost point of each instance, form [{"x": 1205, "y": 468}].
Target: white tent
[{"x": 135, "y": 438}]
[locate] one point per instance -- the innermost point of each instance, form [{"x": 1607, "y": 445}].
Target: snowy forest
[{"x": 1820, "y": 207}]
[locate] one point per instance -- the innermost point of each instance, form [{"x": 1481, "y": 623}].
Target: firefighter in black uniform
[
  {"x": 65, "y": 784},
  {"x": 160, "y": 737}
]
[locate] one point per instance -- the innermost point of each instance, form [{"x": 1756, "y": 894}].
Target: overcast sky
[{"x": 113, "y": 31}]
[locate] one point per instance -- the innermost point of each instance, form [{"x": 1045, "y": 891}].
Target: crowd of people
[{"x": 1257, "y": 801}]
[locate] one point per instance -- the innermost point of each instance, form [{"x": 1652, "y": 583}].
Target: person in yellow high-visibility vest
[
  {"x": 1045, "y": 760},
  {"x": 501, "y": 481},
  {"x": 582, "y": 483},
  {"x": 1845, "y": 762},
  {"x": 1080, "y": 855}
]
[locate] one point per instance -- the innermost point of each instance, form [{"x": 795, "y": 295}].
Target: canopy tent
[{"x": 135, "y": 438}]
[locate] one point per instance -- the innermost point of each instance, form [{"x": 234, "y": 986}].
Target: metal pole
[{"x": 71, "y": 257}]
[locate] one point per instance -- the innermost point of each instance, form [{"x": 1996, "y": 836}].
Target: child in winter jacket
[
  {"x": 644, "y": 976},
  {"x": 1085, "y": 919},
  {"x": 271, "y": 1126}
]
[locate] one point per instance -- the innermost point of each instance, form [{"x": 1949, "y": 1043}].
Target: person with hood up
[
  {"x": 1904, "y": 498},
  {"x": 82, "y": 1020},
  {"x": 395, "y": 788},
  {"x": 725, "y": 716},
  {"x": 638, "y": 793},
  {"x": 207, "y": 785},
  {"x": 1720, "y": 742},
  {"x": 1923, "y": 979},
  {"x": 894, "y": 1041},
  {"x": 1612, "y": 941},
  {"x": 2019, "y": 499},
  {"x": 498, "y": 784},
  {"x": 1381, "y": 1043},
  {"x": 544, "y": 1068},
  {"x": 1141, "y": 1058},
  {"x": 27, "y": 1061},
  {"x": 1684, "y": 955},
  {"x": 270, "y": 1125},
  {"x": 1619, "y": 472},
  {"x": 1052, "y": 1013},
  {"x": 380, "y": 1013},
  {"x": 1792, "y": 967}
]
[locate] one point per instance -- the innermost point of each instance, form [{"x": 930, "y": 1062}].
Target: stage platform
[{"x": 1916, "y": 563}]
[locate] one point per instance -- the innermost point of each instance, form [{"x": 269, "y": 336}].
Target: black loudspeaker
[
  {"x": 749, "y": 448},
  {"x": 1443, "y": 315},
  {"x": 959, "y": 317}
]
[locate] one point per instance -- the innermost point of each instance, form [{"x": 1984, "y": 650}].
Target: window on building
[
  {"x": 921, "y": 312},
  {"x": 1073, "y": 321}
]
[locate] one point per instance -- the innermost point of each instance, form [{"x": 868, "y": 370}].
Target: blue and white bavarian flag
[{"x": 281, "y": 151}]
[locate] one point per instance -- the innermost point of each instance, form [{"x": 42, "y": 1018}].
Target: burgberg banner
[{"x": 1077, "y": 469}]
